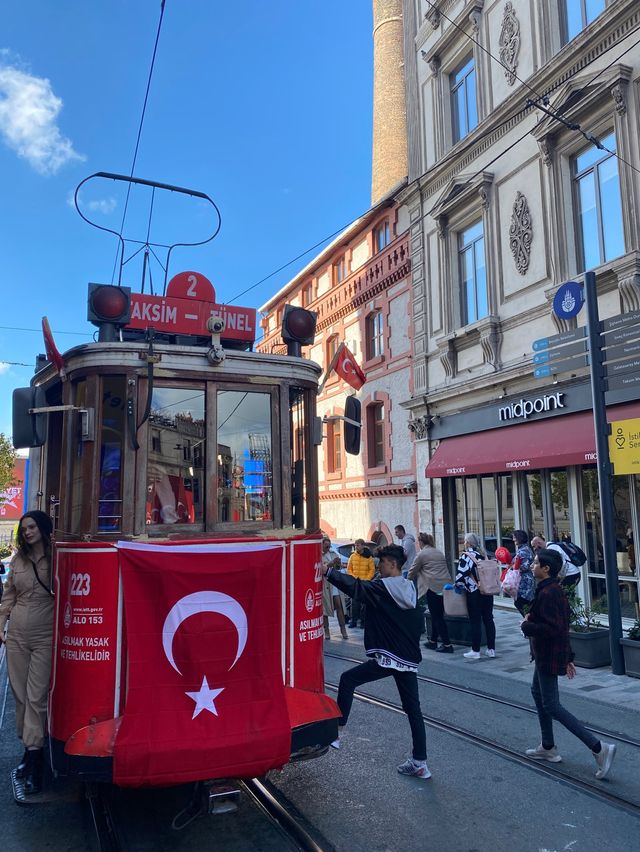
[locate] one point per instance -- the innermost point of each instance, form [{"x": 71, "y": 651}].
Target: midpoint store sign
[{"x": 524, "y": 408}]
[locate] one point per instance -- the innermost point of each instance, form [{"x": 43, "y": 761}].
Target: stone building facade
[
  {"x": 506, "y": 203},
  {"x": 360, "y": 288}
]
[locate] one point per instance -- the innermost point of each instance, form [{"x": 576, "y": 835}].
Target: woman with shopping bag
[
  {"x": 522, "y": 564},
  {"x": 479, "y": 606}
]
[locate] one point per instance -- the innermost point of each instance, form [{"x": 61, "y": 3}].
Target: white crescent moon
[
  {"x": 204, "y": 602},
  {"x": 347, "y": 366}
]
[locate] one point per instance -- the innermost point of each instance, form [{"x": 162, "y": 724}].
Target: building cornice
[{"x": 373, "y": 491}]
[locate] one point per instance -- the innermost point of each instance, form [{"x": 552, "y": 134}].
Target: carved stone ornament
[
  {"x": 448, "y": 358},
  {"x": 420, "y": 427},
  {"x": 617, "y": 93},
  {"x": 521, "y": 234},
  {"x": 474, "y": 19},
  {"x": 490, "y": 339},
  {"x": 483, "y": 192},
  {"x": 546, "y": 149},
  {"x": 442, "y": 224},
  {"x": 509, "y": 43},
  {"x": 434, "y": 65},
  {"x": 433, "y": 16}
]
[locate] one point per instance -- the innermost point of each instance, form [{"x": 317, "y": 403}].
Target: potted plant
[
  {"x": 631, "y": 649},
  {"x": 589, "y": 639}
]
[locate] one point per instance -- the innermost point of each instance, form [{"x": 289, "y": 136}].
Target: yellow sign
[{"x": 624, "y": 446}]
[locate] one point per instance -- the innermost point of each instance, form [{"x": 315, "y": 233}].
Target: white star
[{"x": 204, "y": 698}]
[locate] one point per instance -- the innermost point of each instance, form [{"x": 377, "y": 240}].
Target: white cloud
[
  {"x": 28, "y": 113},
  {"x": 103, "y": 205},
  {"x": 4, "y": 367}
]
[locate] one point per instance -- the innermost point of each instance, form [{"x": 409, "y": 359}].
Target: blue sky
[{"x": 268, "y": 112}]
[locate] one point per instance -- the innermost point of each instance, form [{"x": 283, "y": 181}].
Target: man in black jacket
[
  {"x": 392, "y": 642},
  {"x": 547, "y": 625}
]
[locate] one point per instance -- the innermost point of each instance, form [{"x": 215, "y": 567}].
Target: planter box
[
  {"x": 459, "y": 629},
  {"x": 631, "y": 651},
  {"x": 591, "y": 649}
]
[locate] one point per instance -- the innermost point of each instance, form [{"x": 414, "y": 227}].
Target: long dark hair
[{"x": 44, "y": 524}]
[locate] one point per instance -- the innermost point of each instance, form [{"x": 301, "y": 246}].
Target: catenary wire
[
  {"x": 456, "y": 154},
  {"x": 137, "y": 145}
]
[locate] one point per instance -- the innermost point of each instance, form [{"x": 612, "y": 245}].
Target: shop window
[
  {"x": 580, "y": 13},
  {"x": 374, "y": 335},
  {"x": 464, "y": 107},
  {"x": 598, "y": 204},
  {"x": 382, "y": 236},
  {"x": 473, "y": 273},
  {"x": 375, "y": 434},
  {"x": 334, "y": 447}
]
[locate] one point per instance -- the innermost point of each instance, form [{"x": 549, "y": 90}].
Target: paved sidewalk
[{"x": 512, "y": 660}]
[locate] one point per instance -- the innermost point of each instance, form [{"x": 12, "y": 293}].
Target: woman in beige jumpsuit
[{"x": 27, "y": 604}]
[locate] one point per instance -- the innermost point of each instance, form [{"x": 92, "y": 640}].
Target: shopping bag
[
  {"x": 511, "y": 583},
  {"x": 454, "y": 604}
]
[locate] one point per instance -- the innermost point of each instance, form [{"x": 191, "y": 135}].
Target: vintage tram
[{"x": 180, "y": 470}]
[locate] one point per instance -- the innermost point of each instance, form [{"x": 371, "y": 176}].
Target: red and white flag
[
  {"x": 205, "y": 693},
  {"x": 347, "y": 368},
  {"x": 50, "y": 347}
]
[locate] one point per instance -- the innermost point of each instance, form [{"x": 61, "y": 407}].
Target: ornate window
[
  {"x": 340, "y": 269},
  {"x": 464, "y": 106},
  {"x": 598, "y": 204},
  {"x": 473, "y": 273},
  {"x": 580, "y": 13},
  {"x": 331, "y": 348},
  {"x": 375, "y": 434},
  {"x": 307, "y": 295},
  {"x": 374, "y": 335}
]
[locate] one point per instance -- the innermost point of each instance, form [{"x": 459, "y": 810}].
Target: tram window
[
  {"x": 111, "y": 451},
  {"x": 245, "y": 472},
  {"x": 80, "y": 471},
  {"x": 175, "y": 471}
]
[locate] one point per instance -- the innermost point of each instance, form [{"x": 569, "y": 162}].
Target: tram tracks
[
  {"x": 487, "y": 696},
  {"x": 290, "y": 825},
  {"x": 597, "y": 791}
]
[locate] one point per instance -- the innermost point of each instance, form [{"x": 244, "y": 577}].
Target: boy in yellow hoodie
[{"x": 362, "y": 566}]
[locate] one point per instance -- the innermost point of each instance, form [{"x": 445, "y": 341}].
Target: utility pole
[{"x": 605, "y": 473}]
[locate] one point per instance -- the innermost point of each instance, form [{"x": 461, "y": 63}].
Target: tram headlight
[
  {"x": 109, "y": 304},
  {"x": 298, "y": 328}
]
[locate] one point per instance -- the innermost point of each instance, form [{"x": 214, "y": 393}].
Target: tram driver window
[
  {"x": 245, "y": 472},
  {"x": 175, "y": 472}
]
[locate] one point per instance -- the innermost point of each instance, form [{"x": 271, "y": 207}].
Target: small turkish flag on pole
[
  {"x": 51, "y": 349},
  {"x": 347, "y": 368}
]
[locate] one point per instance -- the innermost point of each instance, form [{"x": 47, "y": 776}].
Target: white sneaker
[
  {"x": 335, "y": 743},
  {"x": 542, "y": 753},
  {"x": 472, "y": 655},
  {"x": 604, "y": 759},
  {"x": 490, "y": 653},
  {"x": 415, "y": 768}
]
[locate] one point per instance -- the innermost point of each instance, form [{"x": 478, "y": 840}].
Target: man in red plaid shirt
[{"x": 547, "y": 625}]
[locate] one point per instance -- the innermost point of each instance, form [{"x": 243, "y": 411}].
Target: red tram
[{"x": 180, "y": 469}]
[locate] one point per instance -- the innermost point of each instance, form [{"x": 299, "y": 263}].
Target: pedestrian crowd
[{"x": 537, "y": 575}]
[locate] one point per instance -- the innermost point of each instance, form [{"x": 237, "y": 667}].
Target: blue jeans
[
  {"x": 407, "y": 685},
  {"x": 545, "y": 693}
]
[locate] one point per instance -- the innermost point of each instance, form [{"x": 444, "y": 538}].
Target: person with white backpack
[{"x": 479, "y": 604}]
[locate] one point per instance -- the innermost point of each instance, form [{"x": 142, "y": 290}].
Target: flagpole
[{"x": 330, "y": 368}]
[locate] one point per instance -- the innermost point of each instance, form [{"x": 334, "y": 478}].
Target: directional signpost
[{"x": 561, "y": 353}]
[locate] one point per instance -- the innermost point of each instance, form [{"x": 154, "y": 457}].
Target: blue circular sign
[{"x": 568, "y": 301}]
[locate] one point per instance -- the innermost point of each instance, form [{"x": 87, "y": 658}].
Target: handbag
[
  {"x": 511, "y": 583},
  {"x": 454, "y": 604}
]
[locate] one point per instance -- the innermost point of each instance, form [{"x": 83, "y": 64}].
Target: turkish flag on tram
[
  {"x": 205, "y": 695},
  {"x": 348, "y": 370},
  {"x": 53, "y": 355}
]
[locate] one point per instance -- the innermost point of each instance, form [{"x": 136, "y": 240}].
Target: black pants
[
  {"x": 357, "y": 612},
  {"x": 545, "y": 693},
  {"x": 481, "y": 610},
  {"x": 571, "y": 581},
  {"x": 438, "y": 624},
  {"x": 407, "y": 685}
]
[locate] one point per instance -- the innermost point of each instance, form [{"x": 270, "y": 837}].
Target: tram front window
[
  {"x": 175, "y": 472},
  {"x": 245, "y": 471}
]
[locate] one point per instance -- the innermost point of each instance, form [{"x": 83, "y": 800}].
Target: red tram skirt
[{"x": 221, "y": 660}]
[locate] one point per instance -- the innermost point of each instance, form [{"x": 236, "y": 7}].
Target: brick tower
[{"x": 389, "y": 159}]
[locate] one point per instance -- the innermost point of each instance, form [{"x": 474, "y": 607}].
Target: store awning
[{"x": 556, "y": 442}]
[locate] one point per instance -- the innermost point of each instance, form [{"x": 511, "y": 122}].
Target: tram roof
[{"x": 184, "y": 359}]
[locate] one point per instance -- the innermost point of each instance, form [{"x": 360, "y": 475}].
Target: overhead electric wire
[{"x": 135, "y": 153}]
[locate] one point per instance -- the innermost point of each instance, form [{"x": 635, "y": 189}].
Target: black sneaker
[
  {"x": 432, "y": 646},
  {"x": 445, "y": 649}
]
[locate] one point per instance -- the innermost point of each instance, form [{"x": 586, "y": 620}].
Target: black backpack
[{"x": 574, "y": 554}]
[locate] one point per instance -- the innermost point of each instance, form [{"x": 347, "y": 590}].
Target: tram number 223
[{"x": 80, "y": 584}]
